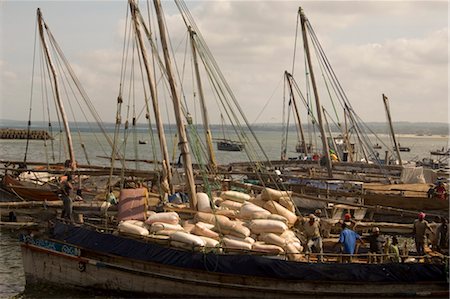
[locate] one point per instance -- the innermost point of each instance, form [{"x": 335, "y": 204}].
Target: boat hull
[
  {"x": 70, "y": 266},
  {"x": 29, "y": 191}
]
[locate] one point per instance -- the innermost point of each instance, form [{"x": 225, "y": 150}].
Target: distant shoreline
[{"x": 424, "y": 129}]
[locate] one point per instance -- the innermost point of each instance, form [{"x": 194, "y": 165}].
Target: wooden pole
[
  {"x": 42, "y": 24},
  {"x": 329, "y": 132},
  {"x": 386, "y": 106},
  {"x": 183, "y": 142},
  {"x": 326, "y": 150},
  {"x": 208, "y": 137},
  {"x": 167, "y": 175},
  {"x": 297, "y": 114}
]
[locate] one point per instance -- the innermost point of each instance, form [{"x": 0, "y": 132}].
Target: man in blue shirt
[{"x": 348, "y": 240}]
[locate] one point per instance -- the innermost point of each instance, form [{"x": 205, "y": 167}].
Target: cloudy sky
[{"x": 399, "y": 48}]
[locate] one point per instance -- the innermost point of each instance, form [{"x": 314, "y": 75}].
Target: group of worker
[{"x": 380, "y": 248}]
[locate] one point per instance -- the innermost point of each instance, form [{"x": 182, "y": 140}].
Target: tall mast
[
  {"x": 162, "y": 138},
  {"x": 386, "y": 106},
  {"x": 208, "y": 137},
  {"x": 58, "y": 98},
  {"x": 182, "y": 138},
  {"x": 326, "y": 150},
  {"x": 297, "y": 114}
]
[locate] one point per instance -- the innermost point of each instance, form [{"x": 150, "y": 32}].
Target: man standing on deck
[
  {"x": 313, "y": 238},
  {"x": 377, "y": 243},
  {"x": 65, "y": 190},
  {"x": 419, "y": 228},
  {"x": 348, "y": 239}
]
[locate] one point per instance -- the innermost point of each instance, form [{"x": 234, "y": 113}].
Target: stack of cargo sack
[{"x": 235, "y": 221}]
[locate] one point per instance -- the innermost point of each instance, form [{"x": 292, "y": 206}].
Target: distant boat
[
  {"x": 404, "y": 149},
  {"x": 229, "y": 145},
  {"x": 377, "y": 146},
  {"x": 143, "y": 142},
  {"x": 441, "y": 152}
]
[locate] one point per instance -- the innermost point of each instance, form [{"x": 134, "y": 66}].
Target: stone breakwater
[{"x": 24, "y": 134}]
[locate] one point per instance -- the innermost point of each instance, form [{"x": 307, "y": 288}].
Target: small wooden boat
[
  {"x": 404, "y": 149},
  {"x": 229, "y": 145},
  {"x": 29, "y": 190},
  {"x": 377, "y": 146},
  {"x": 143, "y": 142},
  {"x": 441, "y": 152}
]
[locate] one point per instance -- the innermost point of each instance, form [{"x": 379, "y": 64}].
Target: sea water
[{"x": 12, "y": 280}]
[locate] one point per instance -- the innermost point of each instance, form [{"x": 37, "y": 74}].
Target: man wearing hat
[
  {"x": 419, "y": 229},
  {"x": 312, "y": 233},
  {"x": 376, "y": 242}
]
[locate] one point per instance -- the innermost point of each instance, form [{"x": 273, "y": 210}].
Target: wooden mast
[
  {"x": 42, "y": 24},
  {"x": 167, "y": 175},
  {"x": 182, "y": 138},
  {"x": 326, "y": 150},
  {"x": 302, "y": 134},
  {"x": 385, "y": 101},
  {"x": 208, "y": 136}
]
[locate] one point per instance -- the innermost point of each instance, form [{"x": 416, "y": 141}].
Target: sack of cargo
[
  {"x": 165, "y": 217},
  {"x": 165, "y": 232},
  {"x": 211, "y": 243},
  {"x": 287, "y": 203},
  {"x": 203, "y": 202},
  {"x": 210, "y": 218},
  {"x": 189, "y": 239},
  {"x": 130, "y": 228},
  {"x": 247, "y": 239},
  {"x": 272, "y": 194},
  {"x": 232, "y": 205},
  {"x": 267, "y": 248},
  {"x": 157, "y": 226},
  {"x": 132, "y": 204},
  {"x": 188, "y": 225},
  {"x": 276, "y": 208},
  {"x": 271, "y": 238},
  {"x": 228, "y": 213},
  {"x": 249, "y": 210},
  {"x": 290, "y": 236},
  {"x": 257, "y": 201},
  {"x": 292, "y": 253},
  {"x": 278, "y": 218},
  {"x": 235, "y": 196},
  {"x": 137, "y": 222},
  {"x": 258, "y": 226},
  {"x": 233, "y": 228},
  {"x": 201, "y": 229},
  {"x": 234, "y": 244}
]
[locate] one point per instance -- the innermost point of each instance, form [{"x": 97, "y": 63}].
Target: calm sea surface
[{"x": 12, "y": 281}]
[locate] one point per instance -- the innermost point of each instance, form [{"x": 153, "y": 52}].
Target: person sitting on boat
[
  {"x": 311, "y": 230},
  {"x": 431, "y": 192},
  {"x": 419, "y": 231},
  {"x": 347, "y": 239},
  {"x": 349, "y": 221},
  {"x": 442, "y": 236},
  {"x": 65, "y": 191},
  {"x": 333, "y": 156},
  {"x": 441, "y": 191},
  {"x": 376, "y": 242},
  {"x": 394, "y": 252}
]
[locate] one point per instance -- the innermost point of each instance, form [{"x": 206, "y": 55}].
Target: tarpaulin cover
[
  {"x": 132, "y": 204},
  {"x": 245, "y": 264}
]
